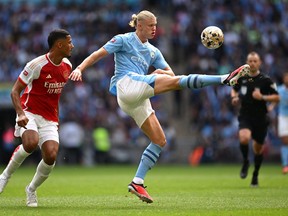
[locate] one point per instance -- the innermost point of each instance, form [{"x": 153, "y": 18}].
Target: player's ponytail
[{"x": 133, "y": 22}]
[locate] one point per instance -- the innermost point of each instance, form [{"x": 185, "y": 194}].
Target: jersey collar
[
  {"x": 47, "y": 56},
  {"x": 138, "y": 39}
]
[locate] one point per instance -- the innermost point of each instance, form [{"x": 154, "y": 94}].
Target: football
[{"x": 212, "y": 37}]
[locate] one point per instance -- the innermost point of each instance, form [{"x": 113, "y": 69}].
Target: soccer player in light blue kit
[
  {"x": 133, "y": 55},
  {"x": 283, "y": 121}
]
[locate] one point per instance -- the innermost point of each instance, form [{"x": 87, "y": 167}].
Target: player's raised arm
[{"x": 76, "y": 74}]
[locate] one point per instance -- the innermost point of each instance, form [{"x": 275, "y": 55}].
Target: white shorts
[
  {"x": 282, "y": 126},
  {"x": 133, "y": 93},
  {"x": 47, "y": 130}
]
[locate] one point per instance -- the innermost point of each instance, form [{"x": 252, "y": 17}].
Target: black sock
[
  {"x": 244, "y": 150},
  {"x": 257, "y": 163}
]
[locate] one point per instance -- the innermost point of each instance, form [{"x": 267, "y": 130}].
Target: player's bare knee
[
  {"x": 50, "y": 159},
  {"x": 49, "y": 155},
  {"x": 30, "y": 144}
]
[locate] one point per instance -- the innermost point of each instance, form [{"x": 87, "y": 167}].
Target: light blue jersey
[
  {"x": 283, "y": 104},
  {"x": 131, "y": 55}
]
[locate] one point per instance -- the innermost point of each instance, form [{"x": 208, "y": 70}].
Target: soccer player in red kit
[{"x": 42, "y": 80}]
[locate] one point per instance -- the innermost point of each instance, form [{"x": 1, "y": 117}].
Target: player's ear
[
  {"x": 59, "y": 44},
  {"x": 139, "y": 24}
]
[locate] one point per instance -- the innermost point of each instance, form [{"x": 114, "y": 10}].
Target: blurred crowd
[
  {"x": 261, "y": 27},
  {"x": 247, "y": 27}
]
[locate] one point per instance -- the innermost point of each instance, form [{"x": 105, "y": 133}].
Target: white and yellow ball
[{"x": 212, "y": 37}]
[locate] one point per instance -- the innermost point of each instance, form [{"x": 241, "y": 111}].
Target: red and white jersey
[{"x": 45, "y": 82}]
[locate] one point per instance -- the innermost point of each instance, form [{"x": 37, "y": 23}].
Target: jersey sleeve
[
  {"x": 67, "y": 62},
  {"x": 272, "y": 87},
  {"x": 29, "y": 73},
  {"x": 236, "y": 88},
  {"x": 160, "y": 62},
  {"x": 114, "y": 45}
]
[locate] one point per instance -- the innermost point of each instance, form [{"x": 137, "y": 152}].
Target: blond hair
[{"x": 140, "y": 16}]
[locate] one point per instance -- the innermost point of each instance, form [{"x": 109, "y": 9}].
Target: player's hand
[
  {"x": 76, "y": 75},
  {"x": 22, "y": 121},
  {"x": 256, "y": 94},
  {"x": 271, "y": 106},
  {"x": 235, "y": 100},
  {"x": 166, "y": 72},
  {"x": 158, "y": 71}
]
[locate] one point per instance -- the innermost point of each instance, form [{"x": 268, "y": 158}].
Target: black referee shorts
[{"x": 257, "y": 125}]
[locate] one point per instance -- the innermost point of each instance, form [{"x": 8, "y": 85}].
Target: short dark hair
[{"x": 55, "y": 35}]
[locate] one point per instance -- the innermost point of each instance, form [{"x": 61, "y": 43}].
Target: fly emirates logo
[{"x": 54, "y": 88}]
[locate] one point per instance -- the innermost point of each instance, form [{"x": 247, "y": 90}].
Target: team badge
[
  {"x": 66, "y": 74},
  {"x": 152, "y": 54},
  {"x": 274, "y": 86},
  {"x": 243, "y": 90}
]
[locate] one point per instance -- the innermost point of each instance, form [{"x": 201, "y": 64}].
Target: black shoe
[
  {"x": 244, "y": 169},
  {"x": 254, "y": 182}
]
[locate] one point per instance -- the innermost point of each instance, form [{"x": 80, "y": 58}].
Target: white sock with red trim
[{"x": 16, "y": 160}]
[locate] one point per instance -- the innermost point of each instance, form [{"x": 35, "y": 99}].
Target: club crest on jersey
[
  {"x": 243, "y": 90},
  {"x": 66, "y": 74},
  {"x": 113, "y": 40},
  {"x": 152, "y": 54},
  {"x": 274, "y": 86},
  {"x": 25, "y": 73}
]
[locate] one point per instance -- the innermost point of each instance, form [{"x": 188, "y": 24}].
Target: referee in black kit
[{"x": 253, "y": 92}]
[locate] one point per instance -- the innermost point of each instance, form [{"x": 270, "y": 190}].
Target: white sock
[
  {"x": 16, "y": 160},
  {"x": 224, "y": 77},
  {"x": 138, "y": 180},
  {"x": 42, "y": 172}
]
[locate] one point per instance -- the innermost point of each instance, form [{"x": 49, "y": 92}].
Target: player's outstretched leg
[
  {"x": 140, "y": 191},
  {"x": 196, "y": 81},
  {"x": 233, "y": 77}
]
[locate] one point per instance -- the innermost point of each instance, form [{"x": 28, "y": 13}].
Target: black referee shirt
[{"x": 246, "y": 85}]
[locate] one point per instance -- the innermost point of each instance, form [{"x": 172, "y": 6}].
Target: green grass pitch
[{"x": 177, "y": 190}]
